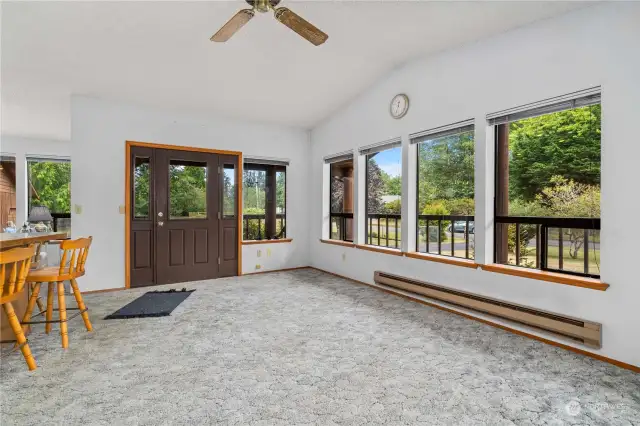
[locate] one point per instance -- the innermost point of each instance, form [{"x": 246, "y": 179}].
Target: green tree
[
  {"x": 187, "y": 190},
  {"x": 393, "y": 207},
  {"x": 565, "y": 143},
  {"x": 50, "y": 185},
  {"x": 446, "y": 169},
  {"x": 393, "y": 184},
  {"x": 376, "y": 187},
  {"x": 280, "y": 191},
  {"x": 253, "y": 193},
  {"x": 141, "y": 188}
]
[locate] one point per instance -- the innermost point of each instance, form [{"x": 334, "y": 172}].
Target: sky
[{"x": 390, "y": 161}]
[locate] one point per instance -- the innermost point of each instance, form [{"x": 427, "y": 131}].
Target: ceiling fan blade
[
  {"x": 233, "y": 25},
  {"x": 300, "y": 26}
]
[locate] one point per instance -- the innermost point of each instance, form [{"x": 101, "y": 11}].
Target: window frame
[
  {"x": 542, "y": 223},
  {"x": 435, "y": 134},
  {"x": 343, "y": 215},
  {"x": 368, "y": 240},
  {"x": 266, "y": 167},
  {"x": 55, "y": 215}
]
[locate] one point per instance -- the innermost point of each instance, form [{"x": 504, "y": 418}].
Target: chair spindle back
[
  {"x": 14, "y": 268},
  {"x": 75, "y": 254}
]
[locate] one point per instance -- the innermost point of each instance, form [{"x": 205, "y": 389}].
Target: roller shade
[
  {"x": 380, "y": 146},
  {"x": 337, "y": 158},
  {"x": 561, "y": 103},
  {"x": 442, "y": 131},
  {"x": 266, "y": 161},
  {"x": 47, "y": 159}
]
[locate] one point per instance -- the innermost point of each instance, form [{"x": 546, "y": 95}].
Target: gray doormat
[{"x": 152, "y": 304}]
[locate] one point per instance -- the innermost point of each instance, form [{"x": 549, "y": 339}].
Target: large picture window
[
  {"x": 264, "y": 201},
  {"x": 341, "y": 197},
  {"x": 49, "y": 185},
  {"x": 547, "y": 205},
  {"x": 383, "y": 195},
  {"x": 445, "y": 191}
]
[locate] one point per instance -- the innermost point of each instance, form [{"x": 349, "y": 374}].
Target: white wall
[
  {"x": 589, "y": 47},
  {"x": 99, "y": 130},
  {"x": 20, "y": 148}
]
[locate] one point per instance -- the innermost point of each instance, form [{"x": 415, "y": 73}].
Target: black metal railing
[
  {"x": 341, "y": 226},
  {"x": 254, "y": 227},
  {"x": 61, "y": 222},
  {"x": 383, "y": 230},
  {"x": 557, "y": 244},
  {"x": 437, "y": 234}
]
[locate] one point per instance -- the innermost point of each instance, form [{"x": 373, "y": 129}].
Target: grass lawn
[{"x": 568, "y": 263}]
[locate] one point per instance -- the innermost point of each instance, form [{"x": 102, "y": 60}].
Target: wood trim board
[
  {"x": 338, "y": 243},
  {"x": 443, "y": 259},
  {"x": 251, "y": 242},
  {"x": 127, "y": 195},
  {"x": 553, "y": 277}
]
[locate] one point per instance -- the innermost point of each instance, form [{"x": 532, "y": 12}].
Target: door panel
[
  {"x": 183, "y": 216},
  {"x": 229, "y": 200},
  {"x": 201, "y": 245},
  {"x": 187, "y": 197},
  {"x": 142, "y": 241}
]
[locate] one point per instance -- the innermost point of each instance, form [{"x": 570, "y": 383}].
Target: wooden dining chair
[
  {"x": 72, "y": 266},
  {"x": 14, "y": 267}
]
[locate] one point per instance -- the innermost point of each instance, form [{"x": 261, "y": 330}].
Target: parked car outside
[{"x": 459, "y": 227}]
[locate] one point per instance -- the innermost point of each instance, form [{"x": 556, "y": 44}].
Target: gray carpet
[{"x": 305, "y": 347}]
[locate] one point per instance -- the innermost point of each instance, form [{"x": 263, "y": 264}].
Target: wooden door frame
[{"x": 127, "y": 194}]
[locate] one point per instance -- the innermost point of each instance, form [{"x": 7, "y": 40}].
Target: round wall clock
[{"x": 399, "y": 106}]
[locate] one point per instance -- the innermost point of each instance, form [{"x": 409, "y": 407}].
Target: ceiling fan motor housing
[{"x": 263, "y": 5}]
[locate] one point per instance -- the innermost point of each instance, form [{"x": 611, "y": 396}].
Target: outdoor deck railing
[
  {"x": 379, "y": 226},
  {"x": 254, "y": 226},
  {"x": 341, "y": 221},
  {"x": 553, "y": 237},
  {"x": 434, "y": 230}
]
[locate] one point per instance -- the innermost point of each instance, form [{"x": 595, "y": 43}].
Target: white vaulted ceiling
[{"x": 159, "y": 54}]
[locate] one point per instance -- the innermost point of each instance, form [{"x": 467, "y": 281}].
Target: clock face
[{"x": 399, "y": 106}]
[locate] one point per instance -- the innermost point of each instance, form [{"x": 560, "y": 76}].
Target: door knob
[
  {"x": 160, "y": 223},
  {"x": 160, "y": 214}
]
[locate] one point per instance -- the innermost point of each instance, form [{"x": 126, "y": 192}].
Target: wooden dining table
[{"x": 13, "y": 240}]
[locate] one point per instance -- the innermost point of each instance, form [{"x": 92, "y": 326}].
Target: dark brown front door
[{"x": 183, "y": 216}]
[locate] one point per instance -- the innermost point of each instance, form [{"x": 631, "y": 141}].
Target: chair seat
[{"x": 51, "y": 274}]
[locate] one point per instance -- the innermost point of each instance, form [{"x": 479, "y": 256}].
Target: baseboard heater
[{"x": 586, "y": 332}]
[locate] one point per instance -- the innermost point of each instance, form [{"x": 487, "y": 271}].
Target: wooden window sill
[
  {"x": 553, "y": 277},
  {"x": 338, "y": 243},
  {"x": 443, "y": 259},
  {"x": 385, "y": 250},
  {"x": 249, "y": 242}
]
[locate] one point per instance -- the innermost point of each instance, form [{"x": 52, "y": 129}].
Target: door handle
[{"x": 160, "y": 223}]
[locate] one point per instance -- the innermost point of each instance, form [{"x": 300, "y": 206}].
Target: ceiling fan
[{"x": 282, "y": 14}]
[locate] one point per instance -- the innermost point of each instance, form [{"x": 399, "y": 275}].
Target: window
[
  {"x": 547, "y": 205},
  {"x": 264, "y": 199},
  {"x": 7, "y": 192},
  {"x": 49, "y": 185},
  {"x": 187, "y": 190},
  {"x": 341, "y": 197},
  {"x": 141, "y": 186},
  {"x": 445, "y": 191},
  {"x": 383, "y": 194},
  {"x": 229, "y": 191}
]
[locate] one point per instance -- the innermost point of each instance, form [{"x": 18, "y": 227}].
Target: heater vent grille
[{"x": 586, "y": 332}]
